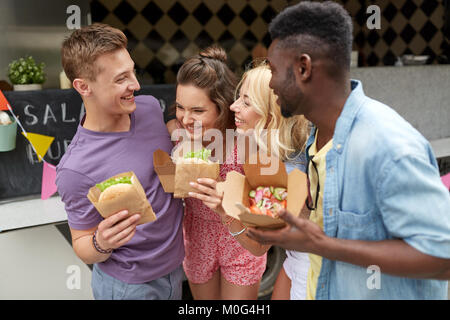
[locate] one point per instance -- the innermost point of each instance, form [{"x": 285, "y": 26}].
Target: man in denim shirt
[{"x": 383, "y": 231}]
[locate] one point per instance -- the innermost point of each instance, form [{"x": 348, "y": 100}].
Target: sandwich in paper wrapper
[
  {"x": 255, "y": 198},
  {"x": 176, "y": 172},
  {"x": 121, "y": 192}
]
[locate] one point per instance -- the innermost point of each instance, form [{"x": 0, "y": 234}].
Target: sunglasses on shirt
[{"x": 309, "y": 202}]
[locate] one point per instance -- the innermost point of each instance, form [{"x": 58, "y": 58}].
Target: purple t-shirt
[{"x": 157, "y": 247}]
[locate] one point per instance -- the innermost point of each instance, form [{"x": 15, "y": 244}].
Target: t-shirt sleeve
[
  {"x": 73, "y": 188},
  {"x": 415, "y": 205},
  {"x": 152, "y": 104}
]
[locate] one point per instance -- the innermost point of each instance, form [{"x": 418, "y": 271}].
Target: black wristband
[{"x": 97, "y": 247}]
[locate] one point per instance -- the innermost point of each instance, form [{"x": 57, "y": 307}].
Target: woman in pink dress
[{"x": 221, "y": 261}]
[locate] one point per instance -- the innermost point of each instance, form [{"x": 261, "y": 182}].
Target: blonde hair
[
  {"x": 289, "y": 134},
  {"x": 80, "y": 50}
]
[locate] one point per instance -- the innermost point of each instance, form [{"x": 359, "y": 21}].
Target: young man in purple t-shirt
[{"x": 119, "y": 133}]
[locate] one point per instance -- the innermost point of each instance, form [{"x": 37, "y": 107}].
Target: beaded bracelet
[{"x": 97, "y": 247}]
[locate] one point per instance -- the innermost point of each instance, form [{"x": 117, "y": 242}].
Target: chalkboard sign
[{"x": 54, "y": 113}]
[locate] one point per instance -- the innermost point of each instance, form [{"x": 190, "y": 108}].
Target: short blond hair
[
  {"x": 80, "y": 50},
  {"x": 290, "y": 134}
]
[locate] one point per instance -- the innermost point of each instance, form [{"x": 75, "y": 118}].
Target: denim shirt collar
[{"x": 346, "y": 118}]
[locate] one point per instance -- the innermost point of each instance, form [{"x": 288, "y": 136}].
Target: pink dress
[{"x": 209, "y": 245}]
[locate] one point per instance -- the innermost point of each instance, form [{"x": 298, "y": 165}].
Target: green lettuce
[
  {"x": 203, "y": 154},
  {"x": 108, "y": 183}
]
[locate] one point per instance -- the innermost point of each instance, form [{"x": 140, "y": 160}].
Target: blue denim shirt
[
  {"x": 297, "y": 161},
  {"x": 382, "y": 182}
]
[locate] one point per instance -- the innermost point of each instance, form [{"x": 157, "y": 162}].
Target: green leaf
[
  {"x": 105, "y": 185},
  {"x": 203, "y": 154}
]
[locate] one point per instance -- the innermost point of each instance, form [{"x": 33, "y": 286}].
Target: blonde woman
[{"x": 257, "y": 109}]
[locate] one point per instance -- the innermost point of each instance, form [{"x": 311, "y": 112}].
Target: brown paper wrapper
[
  {"x": 190, "y": 172},
  {"x": 135, "y": 201},
  {"x": 175, "y": 178},
  {"x": 165, "y": 169},
  {"x": 236, "y": 188}
]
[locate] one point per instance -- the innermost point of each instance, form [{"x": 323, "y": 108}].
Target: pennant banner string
[
  {"x": 20, "y": 124},
  {"x": 40, "y": 142},
  {"x": 3, "y": 101},
  {"x": 48, "y": 187},
  {"x": 17, "y": 119},
  {"x": 24, "y": 132}
]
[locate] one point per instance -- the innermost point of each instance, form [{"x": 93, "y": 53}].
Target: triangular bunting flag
[
  {"x": 446, "y": 180},
  {"x": 48, "y": 181},
  {"x": 3, "y": 102},
  {"x": 39, "y": 142}
]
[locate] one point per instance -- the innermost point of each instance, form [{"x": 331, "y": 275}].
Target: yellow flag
[{"x": 40, "y": 143}]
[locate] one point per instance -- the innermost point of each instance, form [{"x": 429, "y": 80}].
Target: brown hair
[
  {"x": 80, "y": 50},
  {"x": 208, "y": 70}
]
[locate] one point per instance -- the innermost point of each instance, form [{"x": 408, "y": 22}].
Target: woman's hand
[{"x": 208, "y": 193}]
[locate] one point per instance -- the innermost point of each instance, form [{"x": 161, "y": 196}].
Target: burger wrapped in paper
[
  {"x": 177, "y": 171},
  {"x": 196, "y": 157},
  {"x": 113, "y": 188},
  {"x": 192, "y": 166},
  {"x": 121, "y": 192}
]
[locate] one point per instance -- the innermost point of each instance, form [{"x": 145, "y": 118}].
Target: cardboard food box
[
  {"x": 134, "y": 200},
  {"x": 236, "y": 190},
  {"x": 175, "y": 177}
]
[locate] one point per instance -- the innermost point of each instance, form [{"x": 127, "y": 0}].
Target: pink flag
[
  {"x": 48, "y": 181},
  {"x": 446, "y": 180}
]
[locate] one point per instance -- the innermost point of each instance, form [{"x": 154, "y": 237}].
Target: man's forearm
[
  {"x": 393, "y": 257},
  {"x": 84, "y": 248}
]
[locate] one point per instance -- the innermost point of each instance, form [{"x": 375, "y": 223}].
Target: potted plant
[{"x": 25, "y": 74}]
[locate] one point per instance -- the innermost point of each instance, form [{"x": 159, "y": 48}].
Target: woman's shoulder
[{"x": 172, "y": 125}]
